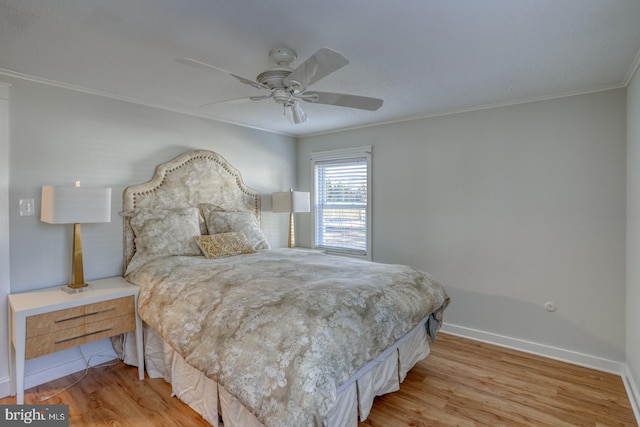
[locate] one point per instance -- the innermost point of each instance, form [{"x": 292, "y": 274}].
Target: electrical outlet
[{"x": 27, "y": 207}]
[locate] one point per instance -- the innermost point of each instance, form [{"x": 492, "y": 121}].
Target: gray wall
[
  {"x": 509, "y": 208},
  {"x": 4, "y": 226},
  {"x": 633, "y": 230},
  {"x": 59, "y": 136}
]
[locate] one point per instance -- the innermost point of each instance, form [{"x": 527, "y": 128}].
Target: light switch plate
[{"x": 27, "y": 207}]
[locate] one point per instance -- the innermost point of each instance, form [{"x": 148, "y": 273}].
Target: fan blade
[
  {"x": 319, "y": 65},
  {"x": 235, "y": 100},
  {"x": 204, "y": 66},
  {"x": 225, "y": 102},
  {"x": 343, "y": 100}
]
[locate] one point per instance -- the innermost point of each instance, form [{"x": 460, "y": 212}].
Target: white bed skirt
[{"x": 355, "y": 397}]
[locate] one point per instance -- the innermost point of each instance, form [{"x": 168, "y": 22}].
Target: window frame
[{"x": 340, "y": 156}]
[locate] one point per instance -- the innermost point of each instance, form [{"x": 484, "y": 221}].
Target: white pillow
[
  {"x": 163, "y": 232},
  {"x": 225, "y": 222}
]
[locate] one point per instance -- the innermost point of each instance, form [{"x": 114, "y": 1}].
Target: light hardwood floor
[{"x": 461, "y": 383}]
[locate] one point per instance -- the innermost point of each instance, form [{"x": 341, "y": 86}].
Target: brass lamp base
[
  {"x": 76, "y": 290},
  {"x": 77, "y": 284},
  {"x": 292, "y": 231}
]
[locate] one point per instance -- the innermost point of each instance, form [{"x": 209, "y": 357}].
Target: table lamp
[
  {"x": 75, "y": 205},
  {"x": 291, "y": 202}
]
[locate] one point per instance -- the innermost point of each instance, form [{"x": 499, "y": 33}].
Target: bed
[{"x": 250, "y": 335}]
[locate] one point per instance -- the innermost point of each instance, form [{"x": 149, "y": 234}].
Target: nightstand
[{"x": 49, "y": 320}]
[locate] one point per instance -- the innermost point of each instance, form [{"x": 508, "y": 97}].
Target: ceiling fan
[{"x": 288, "y": 86}]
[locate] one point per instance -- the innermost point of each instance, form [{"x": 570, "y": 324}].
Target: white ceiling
[{"x": 423, "y": 57}]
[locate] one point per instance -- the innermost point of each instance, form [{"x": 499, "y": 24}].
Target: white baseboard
[
  {"x": 575, "y": 358},
  {"x": 632, "y": 391},
  {"x": 61, "y": 368},
  {"x": 551, "y": 352},
  {"x": 4, "y": 387}
]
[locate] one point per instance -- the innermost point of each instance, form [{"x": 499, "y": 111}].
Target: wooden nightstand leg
[
  {"x": 12, "y": 355},
  {"x": 20, "y": 352},
  {"x": 140, "y": 348},
  {"x": 139, "y": 341},
  {"x": 20, "y": 382}
]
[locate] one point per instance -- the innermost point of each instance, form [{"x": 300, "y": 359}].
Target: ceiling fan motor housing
[{"x": 273, "y": 77}]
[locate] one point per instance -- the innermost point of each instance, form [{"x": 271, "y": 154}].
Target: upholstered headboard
[{"x": 193, "y": 178}]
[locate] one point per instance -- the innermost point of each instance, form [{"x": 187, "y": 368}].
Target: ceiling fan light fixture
[{"x": 295, "y": 113}]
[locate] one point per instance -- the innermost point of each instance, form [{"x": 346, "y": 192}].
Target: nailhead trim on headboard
[
  {"x": 223, "y": 164},
  {"x": 133, "y": 194}
]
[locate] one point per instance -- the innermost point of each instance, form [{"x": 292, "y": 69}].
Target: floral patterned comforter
[{"x": 282, "y": 329}]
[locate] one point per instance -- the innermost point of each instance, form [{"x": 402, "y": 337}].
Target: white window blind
[{"x": 341, "y": 204}]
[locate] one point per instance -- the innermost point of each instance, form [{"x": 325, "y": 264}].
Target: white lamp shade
[
  {"x": 291, "y": 201},
  {"x": 75, "y": 205}
]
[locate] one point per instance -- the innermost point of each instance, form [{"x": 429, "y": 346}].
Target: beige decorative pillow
[
  {"x": 224, "y": 244},
  {"x": 224, "y": 222},
  {"x": 163, "y": 232}
]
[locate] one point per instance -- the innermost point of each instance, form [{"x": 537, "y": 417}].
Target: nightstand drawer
[
  {"x": 49, "y": 323},
  {"x": 71, "y": 337}
]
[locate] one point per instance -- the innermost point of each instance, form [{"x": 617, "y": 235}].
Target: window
[{"x": 342, "y": 202}]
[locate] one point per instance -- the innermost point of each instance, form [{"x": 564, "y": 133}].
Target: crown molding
[
  {"x": 22, "y": 76},
  {"x": 475, "y": 108},
  {"x": 132, "y": 100},
  {"x": 632, "y": 70}
]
